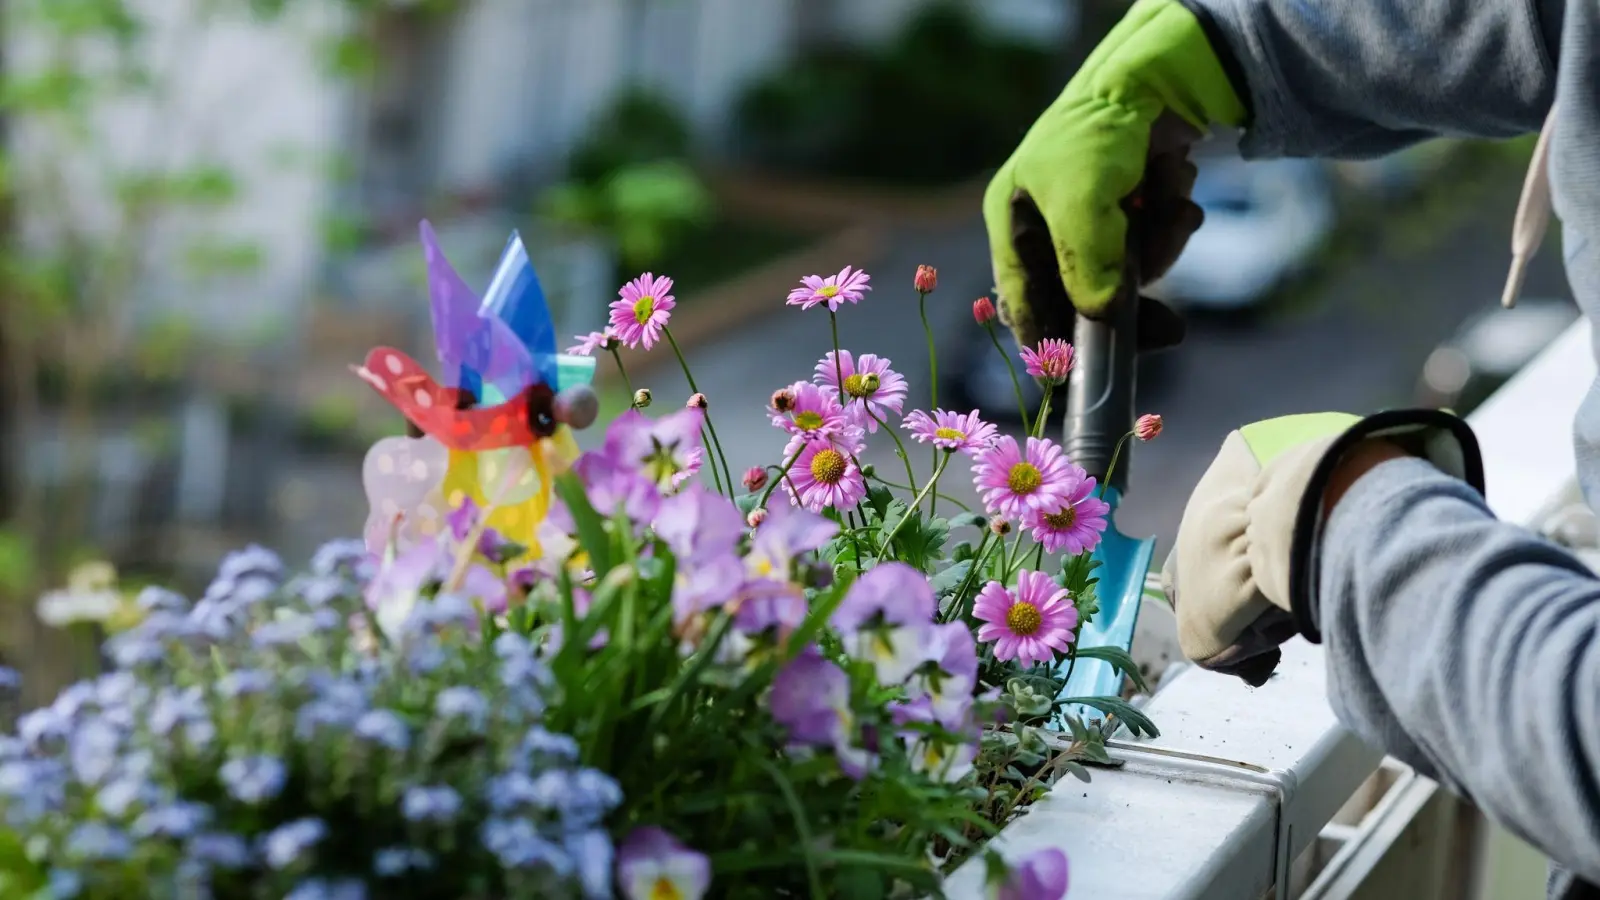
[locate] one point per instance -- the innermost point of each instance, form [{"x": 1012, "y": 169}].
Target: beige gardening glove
[{"x": 1242, "y": 575}]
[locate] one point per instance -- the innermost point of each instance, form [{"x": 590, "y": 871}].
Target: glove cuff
[
  {"x": 1444, "y": 439},
  {"x": 1225, "y": 55}
]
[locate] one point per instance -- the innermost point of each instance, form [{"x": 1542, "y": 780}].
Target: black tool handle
[{"x": 1100, "y": 390}]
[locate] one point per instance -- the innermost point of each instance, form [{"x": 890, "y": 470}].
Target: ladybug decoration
[{"x": 498, "y": 427}]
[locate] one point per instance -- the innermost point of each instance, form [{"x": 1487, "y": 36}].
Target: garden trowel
[{"x": 1099, "y": 412}]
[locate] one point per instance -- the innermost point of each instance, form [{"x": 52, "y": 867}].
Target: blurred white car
[
  {"x": 1264, "y": 223},
  {"x": 1488, "y": 349}
]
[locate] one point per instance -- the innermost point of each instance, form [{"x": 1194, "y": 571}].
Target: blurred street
[{"x": 1359, "y": 347}]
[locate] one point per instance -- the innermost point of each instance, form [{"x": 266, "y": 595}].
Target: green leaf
[
  {"x": 1137, "y": 722},
  {"x": 1076, "y": 771},
  {"x": 592, "y": 535},
  {"x": 969, "y": 519},
  {"x": 950, "y": 578},
  {"x": 1119, "y": 660}
]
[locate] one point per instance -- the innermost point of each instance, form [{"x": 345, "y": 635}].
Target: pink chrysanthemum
[
  {"x": 1030, "y": 624},
  {"x": 1075, "y": 525},
  {"x": 1051, "y": 362},
  {"x": 589, "y": 344},
  {"x": 950, "y": 430},
  {"x": 815, "y": 414},
  {"x": 871, "y": 388},
  {"x": 1013, "y": 480},
  {"x": 824, "y": 475},
  {"x": 643, "y": 311},
  {"x": 849, "y": 285}
]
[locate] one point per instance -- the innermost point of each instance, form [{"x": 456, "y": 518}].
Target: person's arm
[
  {"x": 1470, "y": 649},
  {"x": 1361, "y": 78}
]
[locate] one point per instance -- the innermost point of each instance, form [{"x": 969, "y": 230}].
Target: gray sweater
[{"x": 1419, "y": 580}]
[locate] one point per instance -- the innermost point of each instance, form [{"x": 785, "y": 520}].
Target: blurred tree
[
  {"x": 630, "y": 181},
  {"x": 946, "y": 99},
  {"x": 82, "y": 224}
]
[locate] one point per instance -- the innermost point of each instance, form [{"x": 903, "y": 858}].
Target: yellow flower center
[
  {"x": 949, "y": 434},
  {"x": 859, "y": 386},
  {"x": 1023, "y": 478},
  {"x": 1023, "y": 618},
  {"x": 827, "y": 466},
  {"x": 643, "y": 308},
  {"x": 664, "y": 889},
  {"x": 1063, "y": 520},
  {"x": 808, "y": 420},
  {"x": 828, "y": 290}
]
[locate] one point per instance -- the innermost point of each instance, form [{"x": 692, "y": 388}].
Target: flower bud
[
  {"x": 868, "y": 470},
  {"x": 783, "y": 400},
  {"x": 983, "y": 310},
  {"x": 1148, "y": 427},
  {"x": 755, "y": 478},
  {"x": 696, "y": 401},
  {"x": 641, "y": 398},
  {"x": 1000, "y": 526},
  {"x": 927, "y": 279},
  {"x": 756, "y": 517}
]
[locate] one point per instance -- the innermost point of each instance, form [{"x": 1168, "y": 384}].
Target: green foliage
[
  {"x": 644, "y": 208},
  {"x": 946, "y": 83}
]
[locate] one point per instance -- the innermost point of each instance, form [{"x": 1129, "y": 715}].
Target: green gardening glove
[
  {"x": 1058, "y": 227},
  {"x": 1242, "y": 575}
]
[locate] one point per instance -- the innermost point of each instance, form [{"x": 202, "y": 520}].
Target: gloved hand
[
  {"x": 1242, "y": 575},
  {"x": 1058, "y": 230}
]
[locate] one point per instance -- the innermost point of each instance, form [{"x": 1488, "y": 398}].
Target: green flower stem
[
  {"x": 956, "y": 609},
  {"x": 712, "y": 429},
  {"x": 1016, "y": 384},
  {"x": 782, "y": 474},
  {"x": 622, "y": 370},
  {"x": 1116, "y": 453},
  {"x": 911, "y": 489},
  {"x": 716, "y": 477},
  {"x": 838, "y": 361},
  {"x": 900, "y": 448},
  {"x": 1044, "y": 411},
  {"x": 933, "y": 359},
  {"x": 926, "y": 489}
]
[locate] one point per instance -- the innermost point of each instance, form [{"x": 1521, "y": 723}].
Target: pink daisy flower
[
  {"x": 1075, "y": 525},
  {"x": 815, "y": 414},
  {"x": 1030, "y": 624},
  {"x": 825, "y": 475},
  {"x": 871, "y": 388},
  {"x": 849, "y": 285},
  {"x": 950, "y": 430},
  {"x": 1051, "y": 362},
  {"x": 643, "y": 311},
  {"x": 1013, "y": 480},
  {"x": 588, "y": 344}
]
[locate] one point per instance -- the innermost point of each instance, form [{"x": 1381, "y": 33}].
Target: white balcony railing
[{"x": 1260, "y": 792}]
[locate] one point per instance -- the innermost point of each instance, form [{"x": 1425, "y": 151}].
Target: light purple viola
[
  {"x": 652, "y": 864},
  {"x": 950, "y": 675},
  {"x": 1039, "y": 876},
  {"x": 810, "y": 698},
  {"x": 885, "y": 618},
  {"x": 770, "y": 606},
  {"x": 661, "y": 449},
  {"x": 703, "y": 585},
  {"x": 698, "y": 524},
  {"x": 466, "y": 517},
  {"x": 613, "y": 487},
  {"x": 786, "y": 533}
]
